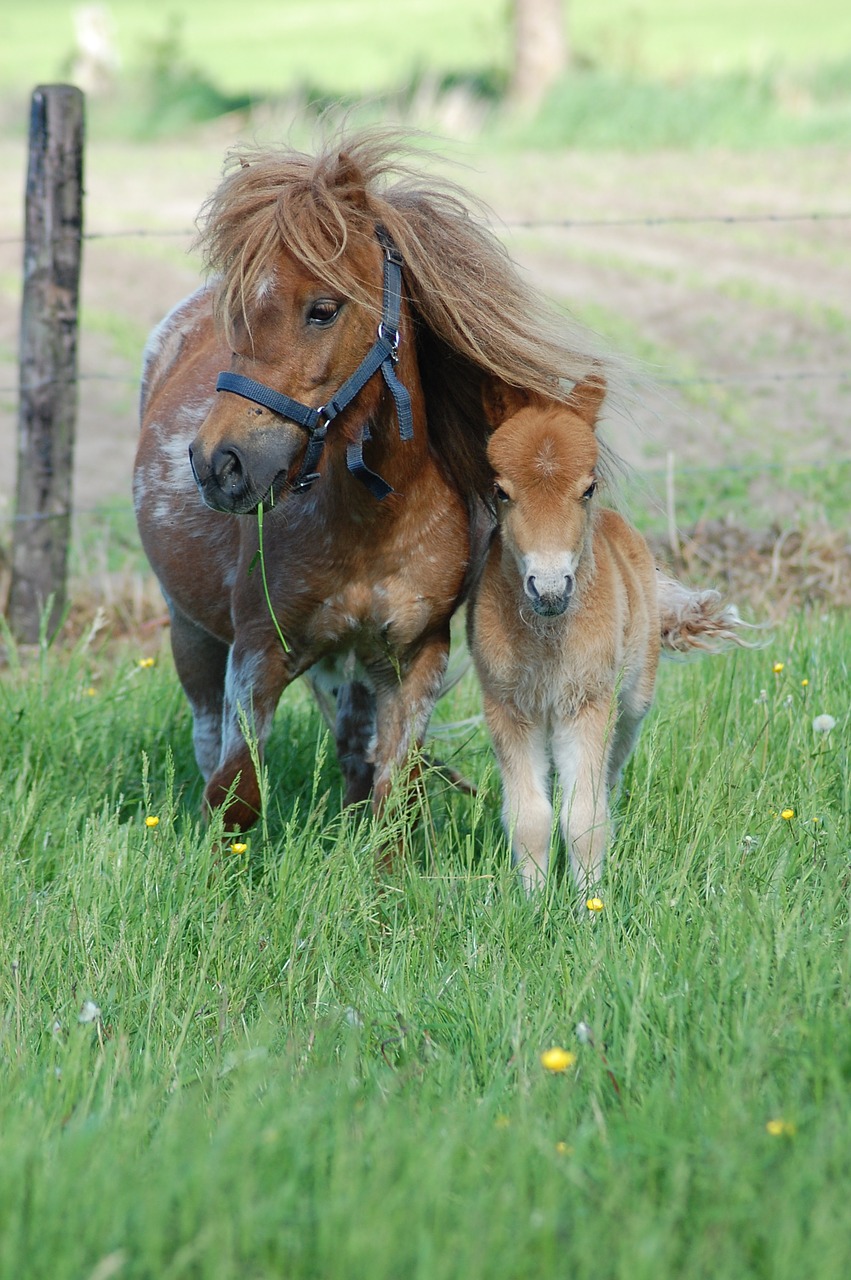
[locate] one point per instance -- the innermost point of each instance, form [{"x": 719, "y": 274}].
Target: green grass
[
  {"x": 663, "y": 73},
  {"x": 362, "y": 46},
  {"x": 301, "y": 1070}
]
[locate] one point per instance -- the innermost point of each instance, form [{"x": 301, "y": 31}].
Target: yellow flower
[
  {"x": 787, "y": 814},
  {"x": 151, "y": 820},
  {"x": 91, "y": 691},
  {"x": 238, "y": 848},
  {"x": 594, "y": 904},
  {"x": 557, "y": 1059},
  {"x": 502, "y": 1122},
  {"x": 780, "y": 1128},
  {"x": 146, "y": 662},
  {"x": 804, "y": 682},
  {"x": 778, "y": 667},
  {"x": 563, "y": 1149}
]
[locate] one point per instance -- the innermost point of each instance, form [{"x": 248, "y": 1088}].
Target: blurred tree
[{"x": 540, "y": 50}]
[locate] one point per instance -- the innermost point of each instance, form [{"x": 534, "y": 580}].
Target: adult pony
[{"x": 328, "y": 378}]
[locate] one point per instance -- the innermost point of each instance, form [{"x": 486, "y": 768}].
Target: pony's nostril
[{"x": 228, "y": 470}]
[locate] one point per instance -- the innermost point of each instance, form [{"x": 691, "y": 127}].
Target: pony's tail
[{"x": 692, "y": 620}]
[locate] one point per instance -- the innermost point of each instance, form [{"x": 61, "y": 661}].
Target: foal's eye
[
  {"x": 590, "y": 491},
  {"x": 323, "y": 312},
  {"x": 500, "y": 494}
]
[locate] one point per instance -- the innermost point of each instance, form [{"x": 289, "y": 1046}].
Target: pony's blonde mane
[{"x": 477, "y": 317}]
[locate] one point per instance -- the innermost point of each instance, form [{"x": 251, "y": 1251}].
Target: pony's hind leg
[
  {"x": 354, "y": 734},
  {"x": 201, "y": 662},
  {"x": 581, "y": 749}
]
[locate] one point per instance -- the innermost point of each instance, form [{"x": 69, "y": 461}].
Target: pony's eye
[
  {"x": 590, "y": 491},
  {"x": 323, "y": 312},
  {"x": 500, "y": 494}
]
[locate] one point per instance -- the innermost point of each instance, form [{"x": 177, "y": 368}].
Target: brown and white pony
[
  {"x": 352, "y": 313},
  {"x": 566, "y": 627}
]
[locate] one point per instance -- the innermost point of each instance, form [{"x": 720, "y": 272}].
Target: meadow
[
  {"x": 260, "y": 1059},
  {"x": 267, "y": 1061}
]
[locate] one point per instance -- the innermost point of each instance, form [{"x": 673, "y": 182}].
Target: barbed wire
[
  {"x": 691, "y": 380},
  {"x": 639, "y": 473},
  {"x": 531, "y": 224}
]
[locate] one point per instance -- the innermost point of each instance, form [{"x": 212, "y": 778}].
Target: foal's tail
[{"x": 691, "y": 619}]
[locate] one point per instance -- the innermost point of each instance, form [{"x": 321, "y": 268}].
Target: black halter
[{"x": 382, "y": 355}]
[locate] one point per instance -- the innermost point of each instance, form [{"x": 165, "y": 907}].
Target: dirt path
[{"x": 745, "y": 326}]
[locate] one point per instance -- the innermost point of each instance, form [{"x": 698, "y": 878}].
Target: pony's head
[
  {"x": 544, "y": 457},
  {"x": 299, "y": 262}
]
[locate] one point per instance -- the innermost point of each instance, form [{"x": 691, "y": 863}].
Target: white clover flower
[{"x": 823, "y": 724}]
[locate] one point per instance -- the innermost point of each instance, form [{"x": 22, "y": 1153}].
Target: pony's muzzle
[
  {"x": 550, "y": 596},
  {"x": 221, "y": 478}
]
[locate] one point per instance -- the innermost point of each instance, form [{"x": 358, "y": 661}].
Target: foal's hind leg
[{"x": 201, "y": 662}]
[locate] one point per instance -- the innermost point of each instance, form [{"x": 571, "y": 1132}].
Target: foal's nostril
[
  {"x": 568, "y": 585},
  {"x": 531, "y": 588}
]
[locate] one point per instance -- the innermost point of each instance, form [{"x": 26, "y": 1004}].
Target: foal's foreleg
[
  {"x": 527, "y": 812},
  {"x": 254, "y": 681},
  {"x": 581, "y": 748}
]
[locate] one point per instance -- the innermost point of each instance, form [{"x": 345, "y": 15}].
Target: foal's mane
[{"x": 477, "y": 317}]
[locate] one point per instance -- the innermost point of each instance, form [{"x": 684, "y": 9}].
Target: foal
[{"x": 566, "y": 628}]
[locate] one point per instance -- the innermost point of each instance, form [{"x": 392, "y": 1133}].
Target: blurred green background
[{"x": 643, "y": 73}]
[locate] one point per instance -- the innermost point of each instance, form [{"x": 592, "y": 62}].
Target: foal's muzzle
[{"x": 549, "y": 598}]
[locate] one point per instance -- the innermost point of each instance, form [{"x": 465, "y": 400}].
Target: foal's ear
[
  {"x": 500, "y": 400},
  {"x": 587, "y": 396}
]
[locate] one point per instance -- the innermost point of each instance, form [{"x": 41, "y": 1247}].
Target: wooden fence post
[{"x": 48, "y": 360}]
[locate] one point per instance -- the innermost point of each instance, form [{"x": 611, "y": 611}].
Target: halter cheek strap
[{"x": 383, "y": 355}]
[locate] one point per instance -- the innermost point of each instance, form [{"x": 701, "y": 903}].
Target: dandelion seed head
[
  {"x": 89, "y": 1012},
  {"x": 823, "y": 724}
]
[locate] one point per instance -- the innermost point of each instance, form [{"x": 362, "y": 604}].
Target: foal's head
[{"x": 544, "y": 457}]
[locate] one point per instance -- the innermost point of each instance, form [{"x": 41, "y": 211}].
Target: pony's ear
[
  {"x": 500, "y": 400},
  {"x": 587, "y": 396},
  {"x": 349, "y": 178}
]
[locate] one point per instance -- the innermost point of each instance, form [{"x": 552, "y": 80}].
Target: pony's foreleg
[
  {"x": 254, "y": 682},
  {"x": 581, "y": 748},
  {"x": 527, "y": 812},
  {"x": 405, "y": 698},
  {"x": 201, "y": 662}
]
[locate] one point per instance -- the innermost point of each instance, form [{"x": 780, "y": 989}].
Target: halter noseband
[{"x": 382, "y": 355}]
